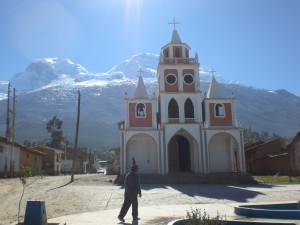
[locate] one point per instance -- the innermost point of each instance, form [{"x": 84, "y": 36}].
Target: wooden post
[
  {"x": 12, "y": 158},
  {"x": 76, "y": 138},
  {"x": 8, "y": 132}
]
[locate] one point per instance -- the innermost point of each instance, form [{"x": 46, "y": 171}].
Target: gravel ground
[
  {"x": 60, "y": 196},
  {"x": 94, "y": 192}
]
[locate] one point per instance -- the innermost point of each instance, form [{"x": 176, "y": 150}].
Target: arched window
[
  {"x": 140, "y": 110},
  {"x": 173, "y": 110},
  {"x": 186, "y": 53},
  {"x": 220, "y": 110},
  {"x": 166, "y": 52},
  {"x": 188, "y": 109},
  {"x": 177, "y": 52}
]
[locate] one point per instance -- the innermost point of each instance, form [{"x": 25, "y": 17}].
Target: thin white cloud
[{"x": 43, "y": 28}]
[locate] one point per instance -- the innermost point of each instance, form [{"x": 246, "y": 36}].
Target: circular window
[
  {"x": 188, "y": 79},
  {"x": 171, "y": 79}
]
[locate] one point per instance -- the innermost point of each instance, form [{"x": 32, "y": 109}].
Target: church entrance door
[
  {"x": 179, "y": 154},
  {"x": 142, "y": 148},
  {"x": 221, "y": 153}
]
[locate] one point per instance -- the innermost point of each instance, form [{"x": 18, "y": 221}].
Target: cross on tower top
[
  {"x": 174, "y": 23},
  {"x": 140, "y": 71},
  {"x": 212, "y": 71}
]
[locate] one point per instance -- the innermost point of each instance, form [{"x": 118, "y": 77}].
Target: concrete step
[{"x": 194, "y": 178}]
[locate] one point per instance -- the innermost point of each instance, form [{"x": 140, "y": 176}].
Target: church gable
[
  {"x": 220, "y": 114},
  {"x": 140, "y": 114}
]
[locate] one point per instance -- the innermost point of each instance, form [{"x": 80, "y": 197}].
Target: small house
[
  {"x": 13, "y": 156},
  {"x": 51, "y": 160}
]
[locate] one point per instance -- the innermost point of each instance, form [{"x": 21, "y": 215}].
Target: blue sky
[{"x": 256, "y": 42}]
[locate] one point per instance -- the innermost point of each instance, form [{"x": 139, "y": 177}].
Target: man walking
[{"x": 132, "y": 190}]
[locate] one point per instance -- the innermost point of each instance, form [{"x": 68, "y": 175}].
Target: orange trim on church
[
  {"x": 218, "y": 120},
  {"x": 135, "y": 121},
  {"x": 189, "y": 87},
  {"x": 189, "y": 71},
  {"x": 171, "y": 87}
]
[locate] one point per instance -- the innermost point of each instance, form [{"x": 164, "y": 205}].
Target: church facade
[{"x": 181, "y": 129}]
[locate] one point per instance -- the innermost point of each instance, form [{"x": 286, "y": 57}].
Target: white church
[{"x": 181, "y": 129}]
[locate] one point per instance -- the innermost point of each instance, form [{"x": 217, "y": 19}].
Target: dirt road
[
  {"x": 60, "y": 196},
  {"x": 94, "y": 192}
]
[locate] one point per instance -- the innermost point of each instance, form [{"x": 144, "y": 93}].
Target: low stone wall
[
  {"x": 273, "y": 211},
  {"x": 194, "y": 178}
]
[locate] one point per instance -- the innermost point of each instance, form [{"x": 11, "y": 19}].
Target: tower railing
[{"x": 176, "y": 61}]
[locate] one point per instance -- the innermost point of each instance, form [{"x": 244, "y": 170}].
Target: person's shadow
[{"x": 134, "y": 222}]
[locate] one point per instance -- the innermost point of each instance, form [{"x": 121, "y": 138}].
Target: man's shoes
[
  {"x": 121, "y": 219},
  {"x": 136, "y": 218}
]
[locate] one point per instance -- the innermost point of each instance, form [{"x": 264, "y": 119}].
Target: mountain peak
[
  {"x": 43, "y": 71},
  {"x": 130, "y": 67},
  {"x": 61, "y": 65},
  {"x": 285, "y": 93}
]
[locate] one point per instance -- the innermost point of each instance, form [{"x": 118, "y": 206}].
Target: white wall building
[{"x": 13, "y": 156}]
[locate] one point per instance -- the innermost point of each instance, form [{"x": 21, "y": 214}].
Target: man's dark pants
[{"x": 130, "y": 199}]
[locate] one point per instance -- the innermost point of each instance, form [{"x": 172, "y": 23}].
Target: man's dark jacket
[{"x": 132, "y": 183}]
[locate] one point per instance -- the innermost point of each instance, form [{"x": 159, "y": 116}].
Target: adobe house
[
  {"x": 83, "y": 163},
  {"x": 293, "y": 150},
  {"x": 257, "y": 157},
  {"x": 51, "y": 160},
  {"x": 14, "y": 155},
  {"x": 270, "y": 158}
]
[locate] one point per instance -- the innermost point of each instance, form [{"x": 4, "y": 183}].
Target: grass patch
[{"x": 277, "y": 179}]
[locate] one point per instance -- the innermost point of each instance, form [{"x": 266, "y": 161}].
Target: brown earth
[
  {"x": 97, "y": 193},
  {"x": 61, "y": 197}
]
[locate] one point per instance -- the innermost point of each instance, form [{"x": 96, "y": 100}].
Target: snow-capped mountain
[
  {"x": 130, "y": 67},
  {"x": 51, "y": 72},
  {"x": 48, "y": 87},
  {"x": 43, "y": 71}
]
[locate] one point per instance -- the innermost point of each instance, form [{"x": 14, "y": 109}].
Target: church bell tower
[{"x": 178, "y": 83}]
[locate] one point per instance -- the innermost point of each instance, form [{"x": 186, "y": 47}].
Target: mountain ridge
[
  {"x": 62, "y": 70},
  {"x": 102, "y": 100}
]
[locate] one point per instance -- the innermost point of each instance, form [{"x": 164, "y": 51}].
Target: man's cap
[{"x": 134, "y": 167}]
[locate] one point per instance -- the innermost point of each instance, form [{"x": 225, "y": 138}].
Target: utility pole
[
  {"x": 7, "y": 132},
  {"x": 12, "y": 159},
  {"x": 65, "y": 158},
  {"x": 76, "y": 137}
]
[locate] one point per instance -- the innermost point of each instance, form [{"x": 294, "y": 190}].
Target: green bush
[
  {"x": 197, "y": 217},
  {"x": 25, "y": 173}
]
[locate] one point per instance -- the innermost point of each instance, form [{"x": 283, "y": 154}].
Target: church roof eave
[
  {"x": 214, "y": 90},
  {"x": 175, "y": 37},
  {"x": 186, "y": 45},
  {"x": 140, "y": 91}
]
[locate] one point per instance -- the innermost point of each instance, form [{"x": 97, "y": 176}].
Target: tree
[
  {"x": 54, "y": 127},
  {"x": 25, "y": 174},
  {"x": 253, "y": 136},
  {"x": 29, "y": 143}
]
